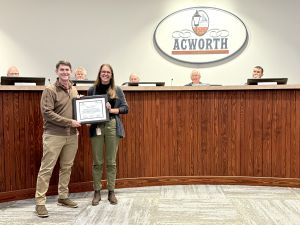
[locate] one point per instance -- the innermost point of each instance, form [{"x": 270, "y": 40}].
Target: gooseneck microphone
[{"x": 172, "y": 81}]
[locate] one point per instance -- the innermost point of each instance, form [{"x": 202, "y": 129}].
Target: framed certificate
[{"x": 90, "y": 109}]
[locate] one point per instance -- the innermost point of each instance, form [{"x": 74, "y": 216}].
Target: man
[
  {"x": 80, "y": 73},
  {"x": 13, "y": 72},
  {"x": 195, "y": 77},
  {"x": 134, "y": 78},
  {"x": 258, "y": 72},
  {"x": 60, "y": 138}
]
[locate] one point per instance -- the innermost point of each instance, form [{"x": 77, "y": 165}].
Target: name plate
[
  {"x": 24, "y": 84},
  {"x": 84, "y": 84},
  {"x": 266, "y": 83},
  {"x": 147, "y": 85}
]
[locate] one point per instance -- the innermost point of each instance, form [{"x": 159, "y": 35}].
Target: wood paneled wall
[
  {"x": 229, "y": 136},
  {"x": 212, "y": 133}
]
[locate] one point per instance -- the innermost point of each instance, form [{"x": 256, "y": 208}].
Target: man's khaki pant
[{"x": 64, "y": 147}]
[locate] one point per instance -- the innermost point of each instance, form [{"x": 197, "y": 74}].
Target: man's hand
[{"x": 75, "y": 123}]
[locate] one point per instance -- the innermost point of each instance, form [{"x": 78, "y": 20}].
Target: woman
[{"x": 107, "y": 133}]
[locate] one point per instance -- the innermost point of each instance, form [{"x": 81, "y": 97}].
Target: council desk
[{"x": 174, "y": 135}]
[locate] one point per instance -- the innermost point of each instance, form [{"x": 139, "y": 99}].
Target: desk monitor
[
  {"x": 22, "y": 81},
  {"x": 254, "y": 81},
  {"x": 146, "y": 83},
  {"x": 83, "y": 82}
]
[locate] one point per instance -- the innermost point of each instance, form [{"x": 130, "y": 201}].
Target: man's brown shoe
[
  {"x": 112, "y": 198},
  {"x": 67, "y": 202},
  {"x": 97, "y": 198},
  {"x": 41, "y": 210}
]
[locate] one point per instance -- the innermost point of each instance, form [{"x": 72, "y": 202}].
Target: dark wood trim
[{"x": 213, "y": 180}]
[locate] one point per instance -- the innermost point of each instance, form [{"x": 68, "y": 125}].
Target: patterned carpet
[{"x": 169, "y": 205}]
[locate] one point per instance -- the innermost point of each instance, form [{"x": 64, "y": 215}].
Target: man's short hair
[
  {"x": 63, "y": 62},
  {"x": 260, "y": 68},
  {"x": 195, "y": 72},
  {"x": 133, "y": 74},
  {"x": 13, "y": 71},
  {"x": 82, "y": 69}
]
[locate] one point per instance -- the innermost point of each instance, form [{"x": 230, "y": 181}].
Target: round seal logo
[{"x": 200, "y": 35}]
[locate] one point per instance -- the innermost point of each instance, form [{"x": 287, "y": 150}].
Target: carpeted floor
[{"x": 169, "y": 205}]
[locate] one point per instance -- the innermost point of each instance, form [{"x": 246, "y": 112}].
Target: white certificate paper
[{"x": 90, "y": 109}]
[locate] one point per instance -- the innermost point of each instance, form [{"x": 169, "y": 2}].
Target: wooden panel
[
  {"x": 294, "y": 147},
  {"x": 267, "y": 116},
  {"x": 200, "y": 136},
  {"x": 204, "y": 139},
  {"x": 288, "y": 102},
  {"x": 276, "y": 135},
  {"x": 9, "y": 148},
  {"x": 2, "y": 148},
  {"x": 296, "y": 136},
  {"x": 257, "y": 134},
  {"x": 235, "y": 139},
  {"x": 249, "y": 132}
]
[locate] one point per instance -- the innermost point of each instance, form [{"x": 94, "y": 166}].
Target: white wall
[{"x": 35, "y": 34}]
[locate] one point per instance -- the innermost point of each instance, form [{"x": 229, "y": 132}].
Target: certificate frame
[{"x": 90, "y": 109}]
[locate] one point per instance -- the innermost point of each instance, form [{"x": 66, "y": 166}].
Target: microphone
[
  {"x": 172, "y": 81},
  {"x": 49, "y": 81}
]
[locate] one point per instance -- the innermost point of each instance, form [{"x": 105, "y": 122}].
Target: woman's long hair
[{"x": 112, "y": 87}]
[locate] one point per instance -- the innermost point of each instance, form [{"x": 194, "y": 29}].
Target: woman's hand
[
  {"x": 114, "y": 111},
  {"x": 110, "y": 110},
  {"x": 108, "y": 106}
]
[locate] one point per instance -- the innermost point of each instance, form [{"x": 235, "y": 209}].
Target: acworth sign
[{"x": 200, "y": 35}]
